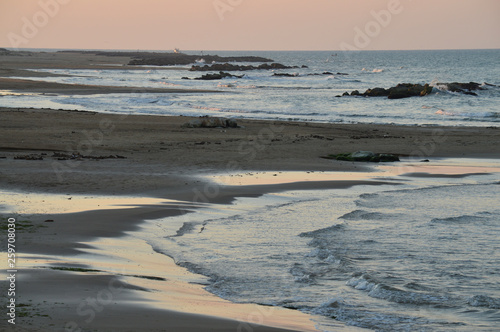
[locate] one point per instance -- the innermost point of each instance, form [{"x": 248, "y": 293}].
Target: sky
[{"x": 250, "y": 24}]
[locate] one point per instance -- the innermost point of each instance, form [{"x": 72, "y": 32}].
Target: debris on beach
[
  {"x": 78, "y": 156},
  {"x": 211, "y": 122},
  {"x": 65, "y": 156},
  {"x": 29, "y": 157},
  {"x": 364, "y": 156}
]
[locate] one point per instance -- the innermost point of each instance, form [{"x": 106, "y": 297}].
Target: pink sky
[{"x": 250, "y": 24}]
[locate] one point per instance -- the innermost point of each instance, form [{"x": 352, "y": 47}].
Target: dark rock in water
[
  {"x": 455, "y": 86},
  {"x": 327, "y": 73},
  {"x": 285, "y": 75},
  {"x": 218, "y": 76},
  {"x": 407, "y": 90},
  {"x": 211, "y": 122},
  {"x": 345, "y": 94},
  {"x": 376, "y": 92},
  {"x": 403, "y": 90},
  {"x": 231, "y": 67},
  {"x": 465, "y": 88},
  {"x": 364, "y": 156}
]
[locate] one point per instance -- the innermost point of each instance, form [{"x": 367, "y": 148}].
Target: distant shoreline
[
  {"x": 241, "y": 51},
  {"x": 63, "y": 156}
]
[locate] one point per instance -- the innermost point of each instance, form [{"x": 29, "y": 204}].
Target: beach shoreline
[
  {"x": 98, "y": 254},
  {"x": 69, "y": 157},
  {"x": 74, "y": 152},
  {"x": 181, "y": 175},
  {"x": 99, "y": 277}
]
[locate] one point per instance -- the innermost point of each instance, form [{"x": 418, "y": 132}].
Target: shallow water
[{"x": 422, "y": 256}]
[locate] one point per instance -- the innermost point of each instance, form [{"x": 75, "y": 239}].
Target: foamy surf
[
  {"x": 309, "y": 94},
  {"x": 379, "y": 258}
]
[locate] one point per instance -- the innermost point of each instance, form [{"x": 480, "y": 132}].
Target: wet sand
[
  {"x": 175, "y": 167},
  {"x": 165, "y": 170}
]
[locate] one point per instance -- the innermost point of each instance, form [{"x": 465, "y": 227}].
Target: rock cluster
[
  {"x": 232, "y": 67},
  {"x": 406, "y": 90},
  {"x": 366, "y": 156},
  {"x": 465, "y": 88},
  {"x": 219, "y": 76},
  {"x": 211, "y": 122},
  {"x": 314, "y": 74},
  {"x": 65, "y": 156},
  {"x": 286, "y": 74}
]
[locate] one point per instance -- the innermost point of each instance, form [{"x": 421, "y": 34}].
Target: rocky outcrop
[
  {"x": 406, "y": 90},
  {"x": 466, "y": 88},
  {"x": 327, "y": 73},
  {"x": 364, "y": 156},
  {"x": 219, "y": 76},
  {"x": 286, "y": 75},
  {"x": 313, "y": 74},
  {"x": 172, "y": 59},
  {"x": 232, "y": 67},
  {"x": 211, "y": 122}
]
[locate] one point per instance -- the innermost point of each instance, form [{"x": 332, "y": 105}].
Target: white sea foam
[{"x": 273, "y": 98}]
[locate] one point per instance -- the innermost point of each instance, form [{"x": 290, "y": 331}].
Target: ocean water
[
  {"x": 423, "y": 255},
  {"x": 305, "y": 97}
]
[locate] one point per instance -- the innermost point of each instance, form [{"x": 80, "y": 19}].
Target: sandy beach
[{"x": 160, "y": 169}]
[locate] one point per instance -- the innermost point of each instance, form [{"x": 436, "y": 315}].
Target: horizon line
[{"x": 239, "y": 50}]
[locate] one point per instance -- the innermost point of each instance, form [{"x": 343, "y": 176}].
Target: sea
[
  {"x": 310, "y": 94},
  {"x": 421, "y": 253}
]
